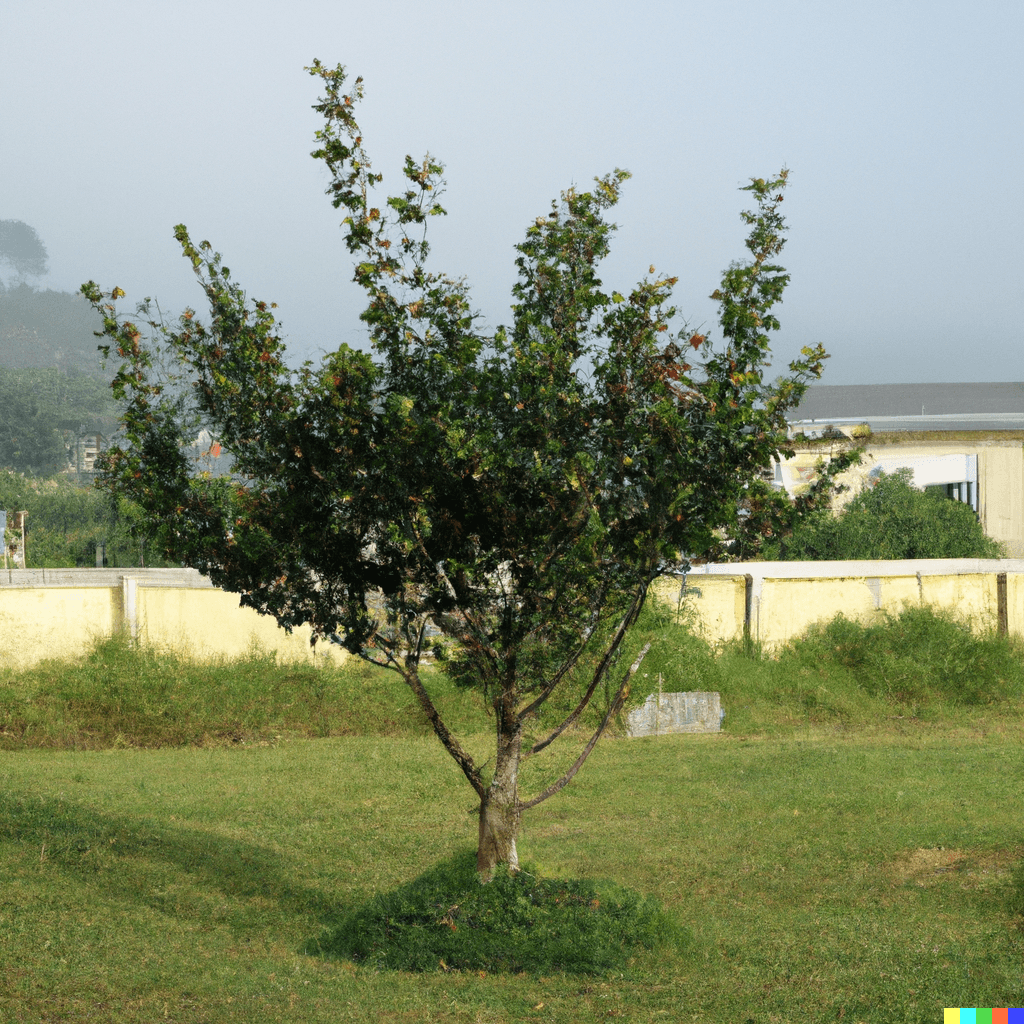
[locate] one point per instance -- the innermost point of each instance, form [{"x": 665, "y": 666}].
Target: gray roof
[{"x": 991, "y": 406}]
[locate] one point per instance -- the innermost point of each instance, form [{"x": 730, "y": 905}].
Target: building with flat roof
[{"x": 968, "y": 438}]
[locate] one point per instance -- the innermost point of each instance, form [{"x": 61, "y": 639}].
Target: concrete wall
[
  {"x": 206, "y": 624},
  {"x": 60, "y": 613},
  {"x": 1001, "y": 495},
  {"x": 48, "y": 613},
  {"x": 714, "y": 605},
  {"x": 58, "y": 622},
  {"x": 776, "y": 601}
]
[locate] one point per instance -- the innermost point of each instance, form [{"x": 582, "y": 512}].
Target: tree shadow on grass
[{"x": 177, "y": 870}]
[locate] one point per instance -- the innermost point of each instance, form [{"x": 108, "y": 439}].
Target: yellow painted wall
[
  {"x": 210, "y": 623},
  {"x": 1015, "y": 603},
  {"x": 54, "y": 622},
  {"x": 204, "y": 623},
  {"x": 972, "y": 596},
  {"x": 786, "y": 607},
  {"x": 715, "y": 603}
]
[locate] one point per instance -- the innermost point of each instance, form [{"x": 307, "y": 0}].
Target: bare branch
[
  {"x": 620, "y": 699},
  {"x": 599, "y": 672},
  {"x": 451, "y": 744}
]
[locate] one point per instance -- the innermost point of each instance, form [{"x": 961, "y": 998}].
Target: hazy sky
[{"x": 900, "y": 123}]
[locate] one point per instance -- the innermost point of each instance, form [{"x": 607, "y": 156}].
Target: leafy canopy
[{"x": 515, "y": 491}]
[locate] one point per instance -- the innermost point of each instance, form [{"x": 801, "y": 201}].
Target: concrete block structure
[{"x": 664, "y": 714}]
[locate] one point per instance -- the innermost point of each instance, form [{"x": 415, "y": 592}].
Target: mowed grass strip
[
  {"x": 843, "y": 851},
  {"x": 827, "y": 877}
]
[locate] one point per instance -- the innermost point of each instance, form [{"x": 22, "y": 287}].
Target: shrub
[
  {"x": 447, "y": 920},
  {"x": 916, "y": 656}
]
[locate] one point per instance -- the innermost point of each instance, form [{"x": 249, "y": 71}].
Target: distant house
[
  {"x": 968, "y": 438},
  {"x": 83, "y": 448}
]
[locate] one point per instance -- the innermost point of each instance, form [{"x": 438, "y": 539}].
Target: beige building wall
[{"x": 1001, "y": 495}]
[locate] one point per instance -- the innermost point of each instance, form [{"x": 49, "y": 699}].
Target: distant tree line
[
  {"x": 52, "y": 385},
  {"x": 52, "y": 391},
  {"x": 66, "y": 522}
]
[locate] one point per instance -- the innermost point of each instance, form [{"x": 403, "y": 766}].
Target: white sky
[{"x": 899, "y": 121}]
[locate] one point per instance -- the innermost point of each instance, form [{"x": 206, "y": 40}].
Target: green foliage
[
  {"x": 41, "y": 328},
  {"x": 120, "y": 694},
  {"x": 769, "y": 518},
  {"x": 65, "y": 523},
  {"x": 42, "y": 412},
  {"x": 446, "y": 920},
  {"x": 917, "y": 656},
  {"x": 193, "y": 880},
  {"x": 920, "y": 663},
  {"x": 517, "y": 491},
  {"x": 889, "y": 520},
  {"x": 51, "y": 385}
]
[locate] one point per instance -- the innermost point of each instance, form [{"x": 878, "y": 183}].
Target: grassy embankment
[{"x": 843, "y": 851}]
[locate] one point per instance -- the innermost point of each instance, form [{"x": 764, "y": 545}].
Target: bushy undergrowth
[
  {"x": 122, "y": 695},
  {"x": 919, "y": 663},
  {"x": 446, "y": 920},
  {"x": 916, "y": 657}
]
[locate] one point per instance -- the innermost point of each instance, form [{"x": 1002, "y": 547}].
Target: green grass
[
  {"x": 822, "y": 878},
  {"x": 519, "y": 922},
  {"x": 849, "y": 849}
]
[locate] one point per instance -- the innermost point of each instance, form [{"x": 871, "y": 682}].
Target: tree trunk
[{"x": 499, "y": 811}]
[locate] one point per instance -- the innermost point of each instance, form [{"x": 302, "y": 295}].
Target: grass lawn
[
  {"x": 824, "y": 876},
  {"x": 177, "y": 842}
]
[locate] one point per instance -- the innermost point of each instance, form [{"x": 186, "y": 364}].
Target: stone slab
[{"x": 667, "y": 713}]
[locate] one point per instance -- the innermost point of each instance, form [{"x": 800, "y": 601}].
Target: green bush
[
  {"x": 915, "y": 657},
  {"x": 447, "y": 920},
  {"x": 66, "y": 522},
  {"x": 890, "y": 520}
]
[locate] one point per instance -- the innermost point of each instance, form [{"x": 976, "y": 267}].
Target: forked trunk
[{"x": 499, "y": 812}]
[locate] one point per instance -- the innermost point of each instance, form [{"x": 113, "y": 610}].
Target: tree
[
  {"x": 890, "y": 519},
  {"x": 768, "y": 517},
  {"x": 518, "y": 492},
  {"x": 21, "y": 249}
]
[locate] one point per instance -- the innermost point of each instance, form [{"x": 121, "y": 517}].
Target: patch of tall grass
[
  {"x": 918, "y": 664},
  {"x": 518, "y": 922},
  {"x": 120, "y": 694}
]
